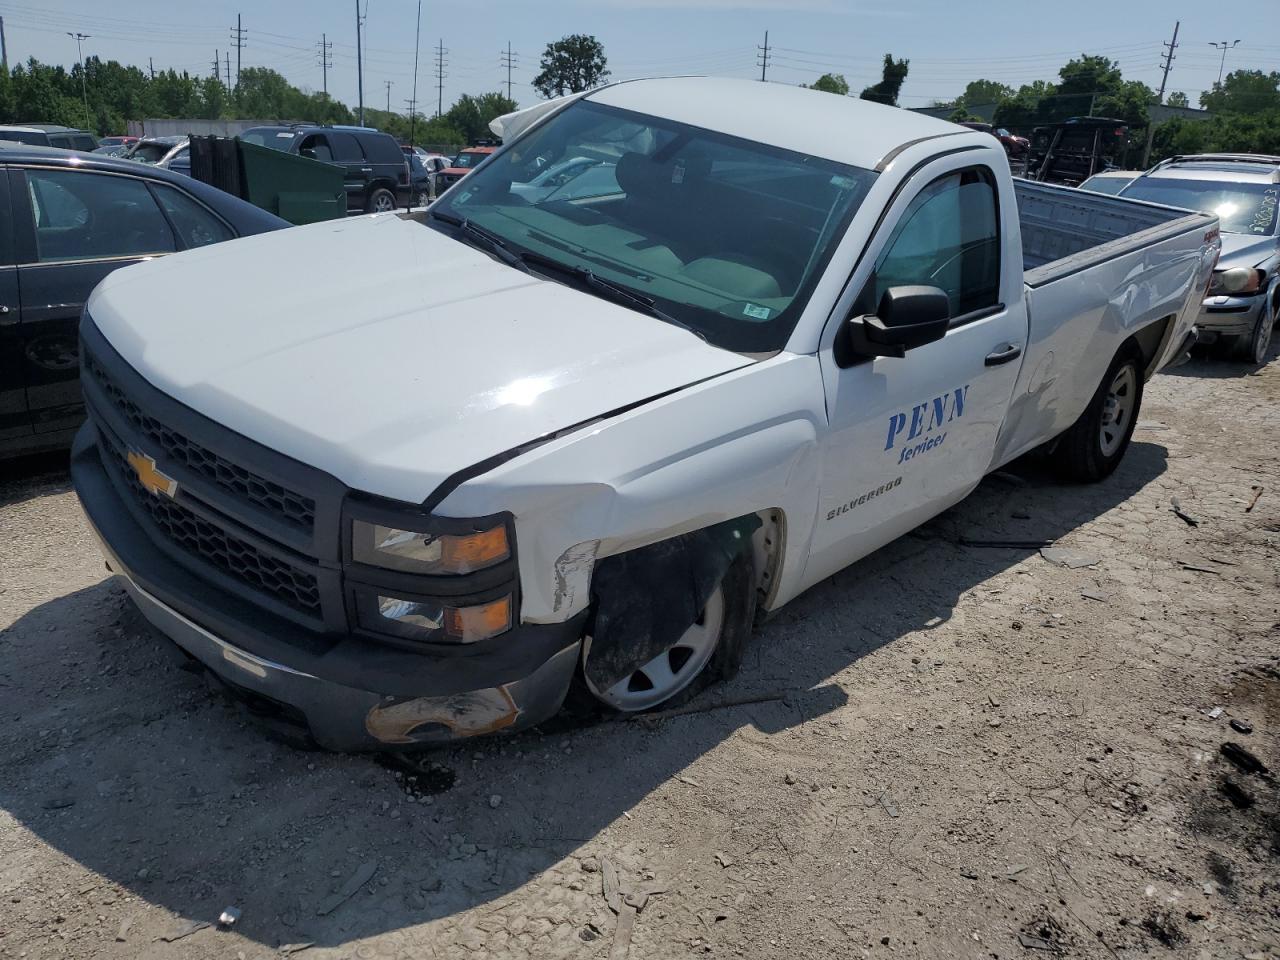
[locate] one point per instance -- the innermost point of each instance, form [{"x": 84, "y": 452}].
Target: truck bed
[{"x": 1066, "y": 230}]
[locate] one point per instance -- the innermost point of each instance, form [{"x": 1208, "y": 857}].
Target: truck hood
[
  {"x": 384, "y": 352},
  {"x": 1243, "y": 250}
]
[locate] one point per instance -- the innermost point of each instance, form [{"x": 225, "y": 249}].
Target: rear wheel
[
  {"x": 381, "y": 200},
  {"x": 1095, "y": 444},
  {"x": 711, "y": 649}
]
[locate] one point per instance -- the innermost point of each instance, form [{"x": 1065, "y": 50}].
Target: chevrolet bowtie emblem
[{"x": 151, "y": 477}]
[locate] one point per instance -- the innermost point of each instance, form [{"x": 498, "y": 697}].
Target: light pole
[
  {"x": 84, "y": 90},
  {"x": 1224, "y": 47}
]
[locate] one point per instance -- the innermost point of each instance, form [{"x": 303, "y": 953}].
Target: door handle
[{"x": 1003, "y": 355}]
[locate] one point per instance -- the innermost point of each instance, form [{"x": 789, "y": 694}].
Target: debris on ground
[
  {"x": 185, "y": 929},
  {"x": 228, "y": 917},
  {"x": 612, "y": 894},
  {"x": 122, "y": 931},
  {"x": 357, "y": 880},
  {"x": 1070, "y": 558},
  {"x": 1092, "y": 593},
  {"x": 290, "y": 948},
  {"x": 1241, "y": 726},
  {"x": 1242, "y": 757},
  {"x": 724, "y": 860},
  {"x": 1215, "y": 713},
  {"x": 1257, "y": 492},
  {"x": 889, "y": 806},
  {"x": 1182, "y": 514}
]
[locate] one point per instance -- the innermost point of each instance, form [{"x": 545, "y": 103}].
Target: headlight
[
  {"x": 1236, "y": 281},
  {"x": 429, "y": 552},
  {"x": 432, "y": 620}
]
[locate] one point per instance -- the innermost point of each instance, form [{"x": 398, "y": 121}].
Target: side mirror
[{"x": 908, "y": 317}]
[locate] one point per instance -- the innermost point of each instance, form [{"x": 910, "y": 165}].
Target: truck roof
[
  {"x": 845, "y": 129},
  {"x": 1237, "y": 167}
]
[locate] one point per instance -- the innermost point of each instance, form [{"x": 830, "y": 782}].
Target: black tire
[
  {"x": 738, "y": 587},
  {"x": 1253, "y": 347},
  {"x": 1084, "y": 454},
  {"x": 380, "y": 200}
]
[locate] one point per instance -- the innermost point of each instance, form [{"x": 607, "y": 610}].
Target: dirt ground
[{"x": 973, "y": 752}]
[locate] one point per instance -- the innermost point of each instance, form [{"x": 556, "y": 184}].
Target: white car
[
  {"x": 405, "y": 477},
  {"x": 570, "y": 179}
]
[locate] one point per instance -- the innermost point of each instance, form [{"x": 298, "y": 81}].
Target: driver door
[
  {"x": 908, "y": 437},
  {"x": 72, "y": 228}
]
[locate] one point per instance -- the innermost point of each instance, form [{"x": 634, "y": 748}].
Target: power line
[
  {"x": 237, "y": 40},
  {"x": 1168, "y": 58},
  {"x": 326, "y": 59},
  {"x": 763, "y": 57},
  {"x": 441, "y": 63},
  {"x": 509, "y": 61}
]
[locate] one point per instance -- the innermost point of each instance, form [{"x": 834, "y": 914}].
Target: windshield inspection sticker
[
  {"x": 757, "y": 313},
  {"x": 925, "y": 419}
]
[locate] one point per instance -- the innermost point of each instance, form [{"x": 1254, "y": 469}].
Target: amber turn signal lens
[
  {"x": 474, "y": 551},
  {"x": 469, "y": 624}
]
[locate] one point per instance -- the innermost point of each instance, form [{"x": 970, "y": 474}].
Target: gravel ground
[{"x": 975, "y": 753}]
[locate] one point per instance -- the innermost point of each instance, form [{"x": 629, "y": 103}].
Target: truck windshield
[
  {"x": 1248, "y": 208},
  {"x": 725, "y": 236}
]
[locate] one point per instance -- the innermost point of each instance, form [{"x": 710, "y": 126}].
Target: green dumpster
[{"x": 297, "y": 189}]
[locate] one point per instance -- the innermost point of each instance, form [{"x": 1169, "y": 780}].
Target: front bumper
[
  {"x": 349, "y": 693},
  {"x": 1229, "y": 316}
]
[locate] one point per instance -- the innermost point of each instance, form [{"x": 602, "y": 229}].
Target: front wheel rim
[
  {"x": 672, "y": 670},
  {"x": 1262, "y": 339},
  {"x": 382, "y": 204},
  {"x": 1117, "y": 410}
]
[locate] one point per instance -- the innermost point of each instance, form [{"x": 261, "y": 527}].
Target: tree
[
  {"x": 1177, "y": 99},
  {"x": 890, "y": 85},
  {"x": 961, "y": 115},
  {"x": 981, "y": 92},
  {"x": 832, "y": 83},
  {"x": 1022, "y": 110},
  {"x": 470, "y": 116},
  {"x": 1244, "y": 91},
  {"x": 571, "y": 65}
]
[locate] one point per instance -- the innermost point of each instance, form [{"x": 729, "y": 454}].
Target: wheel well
[{"x": 1150, "y": 340}]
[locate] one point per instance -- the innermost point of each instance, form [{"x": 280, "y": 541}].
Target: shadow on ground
[{"x": 121, "y": 760}]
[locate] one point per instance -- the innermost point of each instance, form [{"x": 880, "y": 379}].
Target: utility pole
[
  {"x": 1224, "y": 47},
  {"x": 413, "y": 103},
  {"x": 84, "y": 90},
  {"x": 387, "y": 84},
  {"x": 217, "y": 64},
  {"x": 508, "y": 61},
  {"x": 151, "y": 62},
  {"x": 326, "y": 59},
  {"x": 763, "y": 57},
  {"x": 228, "y": 62},
  {"x": 4, "y": 49},
  {"x": 359, "y": 66},
  {"x": 441, "y": 63},
  {"x": 237, "y": 38},
  {"x": 1168, "y": 59}
]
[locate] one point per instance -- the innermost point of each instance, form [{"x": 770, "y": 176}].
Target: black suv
[
  {"x": 50, "y": 135},
  {"x": 377, "y": 173}
]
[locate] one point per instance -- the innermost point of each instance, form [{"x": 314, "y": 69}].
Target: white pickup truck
[{"x": 404, "y": 479}]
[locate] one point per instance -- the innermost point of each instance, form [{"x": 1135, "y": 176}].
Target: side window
[
  {"x": 949, "y": 238},
  {"x": 316, "y": 147},
  {"x": 86, "y": 216},
  {"x": 84, "y": 142},
  {"x": 346, "y": 149},
  {"x": 381, "y": 148},
  {"x": 195, "y": 225}
]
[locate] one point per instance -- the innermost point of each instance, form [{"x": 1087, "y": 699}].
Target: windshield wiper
[
  {"x": 611, "y": 290},
  {"x": 482, "y": 239}
]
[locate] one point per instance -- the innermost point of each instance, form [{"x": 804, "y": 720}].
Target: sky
[{"x": 947, "y": 42}]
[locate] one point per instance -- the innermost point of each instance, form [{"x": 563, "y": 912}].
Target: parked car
[
  {"x": 588, "y": 439},
  {"x": 117, "y": 141},
  {"x": 422, "y": 178},
  {"x": 178, "y": 159},
  {"x": 50, "y": 135},
  {"x": 377, "y": 172},
  {"x": 462, "y": 164},
  {"x": 1014, "y": 145},
  {"x": 1110, "y": 181},
  {"x": 153, "y": 149},
  {"x": 66, "y": 221},
  {"x": 1242, "y": 190},
  {"x": 113, "y": 150}
]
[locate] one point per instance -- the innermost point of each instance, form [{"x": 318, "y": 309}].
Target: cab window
[
  {"x": 195, "y": 224},
  {"x": 948, "y": 238},
  {"x": 316, "y": 146}
]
